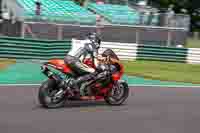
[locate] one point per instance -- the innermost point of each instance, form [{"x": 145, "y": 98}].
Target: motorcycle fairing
[
  {"x": 60, "y": 65},
  {"x": 117, "y": 75}
]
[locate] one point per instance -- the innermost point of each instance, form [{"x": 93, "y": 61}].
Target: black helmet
[{"x": 95, "y": 39}]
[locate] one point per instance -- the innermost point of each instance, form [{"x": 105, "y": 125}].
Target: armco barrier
[
  {"x": 161, "y": 53},
  {"x": 44, "y": 49},
  {"x": 193, "y": 56},
  {"x": 131, "y": 51},
  {"x": 123, "y": 50},
  {"x": 33, "y": 49}
]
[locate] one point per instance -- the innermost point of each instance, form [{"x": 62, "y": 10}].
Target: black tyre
[
  {"x": 46, "y": 95},
  {"x": 118, "y": 99}
]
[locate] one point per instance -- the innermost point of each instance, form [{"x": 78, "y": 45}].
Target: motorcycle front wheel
[
  {"x": 46, "y": 95},
  {"x": 118, "y": 94}
]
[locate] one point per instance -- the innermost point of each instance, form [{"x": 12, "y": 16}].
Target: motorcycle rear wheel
[
  {"x": 45, "y": 99},
  {"x": 114, "y": 101}
]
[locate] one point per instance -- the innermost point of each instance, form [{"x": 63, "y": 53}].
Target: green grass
[
  {"x": 193, "y": 43},
  {"x": 164, "y": 71},
  {"x": 4, "y": 63}
]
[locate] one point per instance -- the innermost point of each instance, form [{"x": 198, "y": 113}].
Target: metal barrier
[
  {"x": 165, "y": 36},
  {"x": 10, "y": 29},
  {"x": 162, "y": 54},
  {"x": 132, "y": 51},
  {"x": 193, "y": 56},
  {"x": 19, "y": 48},
  {"x": 123, "y": 50}
]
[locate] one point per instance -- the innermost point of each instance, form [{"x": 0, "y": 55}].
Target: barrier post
[
  {"x": 169, "y": 38},
  {"x": 60, "y": 32},
  {"x": 137, "y": 36},
  {"x": 23, "y": 30}
]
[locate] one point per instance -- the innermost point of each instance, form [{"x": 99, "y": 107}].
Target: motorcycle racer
[
  {"x": 99, "y": 79},
  {"x": 76, "y": 61}
]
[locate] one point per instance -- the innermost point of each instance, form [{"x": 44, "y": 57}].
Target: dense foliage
[
  {"x": 191, "y": 6},
  {"x": 80, "y": 2}
]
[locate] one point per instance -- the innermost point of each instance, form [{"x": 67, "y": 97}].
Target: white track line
[{"x": 20, "y": 85}]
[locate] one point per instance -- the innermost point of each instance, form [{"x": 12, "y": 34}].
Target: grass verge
[
  {"x": 4, "y": 63},
  {"x": 193, "y": 43},
  {"x": 164, "y": 71}
]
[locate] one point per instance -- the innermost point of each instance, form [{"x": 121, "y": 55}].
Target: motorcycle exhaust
[
  {"x": 59, "y": 81},
  {"x": 45, "y": 70}
]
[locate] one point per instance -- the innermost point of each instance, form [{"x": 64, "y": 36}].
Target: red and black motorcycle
[{"x": 52, "y": 95}]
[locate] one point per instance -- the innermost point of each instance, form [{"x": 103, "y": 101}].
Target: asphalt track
[{"x": 148, "y": 110}]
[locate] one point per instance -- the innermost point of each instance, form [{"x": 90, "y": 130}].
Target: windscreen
[{"x": 110, "y": 53}]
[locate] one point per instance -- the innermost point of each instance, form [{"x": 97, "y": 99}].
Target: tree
[
  {"x": 192, "y": 7},
  {"x": 80, "y": 2}
]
